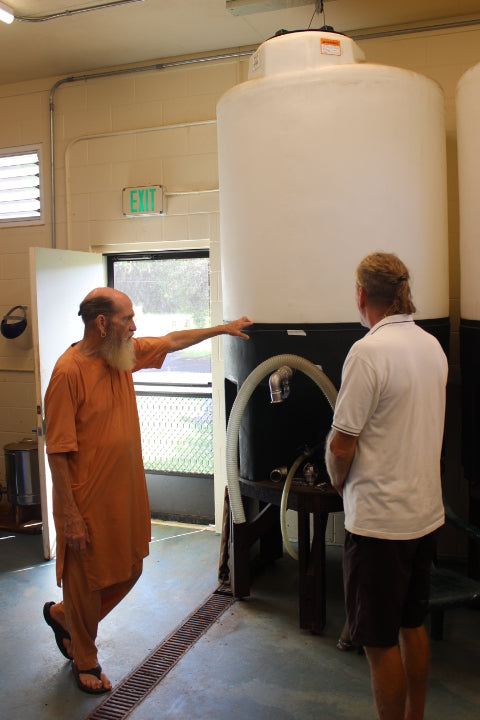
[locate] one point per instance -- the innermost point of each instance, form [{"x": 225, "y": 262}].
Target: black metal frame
[{"x": 158, "y": 255}]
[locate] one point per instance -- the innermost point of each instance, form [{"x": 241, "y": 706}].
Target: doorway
[{"x": 171, "y": 291}]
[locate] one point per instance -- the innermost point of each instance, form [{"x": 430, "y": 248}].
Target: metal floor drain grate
[{"x": 131, "y": 691}]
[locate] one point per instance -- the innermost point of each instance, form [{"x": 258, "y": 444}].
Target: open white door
[{"x": 59, "y": 280}]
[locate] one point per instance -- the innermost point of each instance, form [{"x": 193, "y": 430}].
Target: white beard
[{"x": 119, "y": 354}]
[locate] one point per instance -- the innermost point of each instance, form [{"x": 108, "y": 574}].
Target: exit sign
[{"x": 143, "y": 201}]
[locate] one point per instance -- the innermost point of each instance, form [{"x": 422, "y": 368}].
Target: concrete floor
[{"x": 253, "y": 663}]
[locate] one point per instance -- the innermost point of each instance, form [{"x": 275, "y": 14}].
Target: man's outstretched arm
[{"x": 180, "y": 339}]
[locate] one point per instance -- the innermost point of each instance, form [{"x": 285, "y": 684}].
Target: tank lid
[{"x": 303, "y": 50}]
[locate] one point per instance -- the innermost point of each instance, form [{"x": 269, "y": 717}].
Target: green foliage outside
[{"x": 169, "y": 287}]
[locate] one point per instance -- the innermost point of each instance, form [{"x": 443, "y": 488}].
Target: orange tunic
[{"x": 91, "y": 414}]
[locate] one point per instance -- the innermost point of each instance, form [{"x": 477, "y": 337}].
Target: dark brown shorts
[{"x": 387, "y": 584}]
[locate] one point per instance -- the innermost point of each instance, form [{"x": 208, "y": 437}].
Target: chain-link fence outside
[{"x": 177, "y": 432}]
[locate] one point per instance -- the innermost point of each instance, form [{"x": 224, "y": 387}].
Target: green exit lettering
[{"x": 142, "y": 200}]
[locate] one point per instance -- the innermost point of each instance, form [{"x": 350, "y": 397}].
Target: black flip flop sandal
[
  {"x": 60, "y": 633},
  {"x": 97, "y": 672}
]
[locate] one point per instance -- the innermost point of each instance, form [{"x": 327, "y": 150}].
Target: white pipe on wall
[
  {"x": 123, "y": 133},
  {"x": 207, "y": 59}
]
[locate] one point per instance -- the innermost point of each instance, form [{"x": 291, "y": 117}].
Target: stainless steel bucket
[{"x": 21, "y": 468}]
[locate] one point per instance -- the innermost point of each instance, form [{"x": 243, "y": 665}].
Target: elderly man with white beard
[{"x": 100, "y": 500}]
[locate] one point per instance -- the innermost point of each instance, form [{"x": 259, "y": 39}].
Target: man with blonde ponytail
[{"x": 383, "y": 457}]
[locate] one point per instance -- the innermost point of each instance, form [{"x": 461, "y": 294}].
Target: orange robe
[{"x": 91, "y": 414}]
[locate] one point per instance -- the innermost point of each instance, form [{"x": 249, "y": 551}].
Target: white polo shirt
[{"x": 392, "y": 397}]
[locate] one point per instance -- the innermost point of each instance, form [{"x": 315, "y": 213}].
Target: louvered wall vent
[{"x": 131, "y": 691}]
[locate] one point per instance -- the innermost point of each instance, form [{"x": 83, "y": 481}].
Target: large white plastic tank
[
  {"x": 468, "y": 140},
  {"x": 323, "y": 159}
]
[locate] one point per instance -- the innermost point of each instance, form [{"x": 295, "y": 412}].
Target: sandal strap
[{"x": 96, "y": 671}]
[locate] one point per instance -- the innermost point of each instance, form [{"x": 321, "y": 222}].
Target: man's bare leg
[
  {"x": 388, "y": 682},
  {"x": 415, "y": 652}
]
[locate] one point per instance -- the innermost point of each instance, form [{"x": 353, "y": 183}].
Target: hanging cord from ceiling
[
  {"x": 320, "y": 10},
  {"x": 74, "y": 11}
]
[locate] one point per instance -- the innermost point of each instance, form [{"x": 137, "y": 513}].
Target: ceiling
[{"x": 151, "y": 30}]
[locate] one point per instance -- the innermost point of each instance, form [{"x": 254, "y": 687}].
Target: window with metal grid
[{"x": 177, "y": 432}]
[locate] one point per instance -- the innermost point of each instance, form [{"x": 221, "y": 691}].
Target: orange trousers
[{"x": 85, "y": 608}]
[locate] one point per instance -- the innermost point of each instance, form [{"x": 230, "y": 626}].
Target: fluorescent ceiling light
[{"x": 6, "y": 14}]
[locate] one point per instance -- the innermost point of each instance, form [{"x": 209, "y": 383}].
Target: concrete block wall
[
  {"x": 114, "y": 132},
  {"x": 24, "y": 120}
]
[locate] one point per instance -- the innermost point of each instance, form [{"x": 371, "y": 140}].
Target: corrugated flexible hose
[{"x": 256, "y": 376}]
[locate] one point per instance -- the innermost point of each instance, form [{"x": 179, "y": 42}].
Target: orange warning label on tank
[{"x": 330, "y": 46}]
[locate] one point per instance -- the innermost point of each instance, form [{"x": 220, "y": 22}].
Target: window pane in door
[{"x": 170, "y": 293}]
